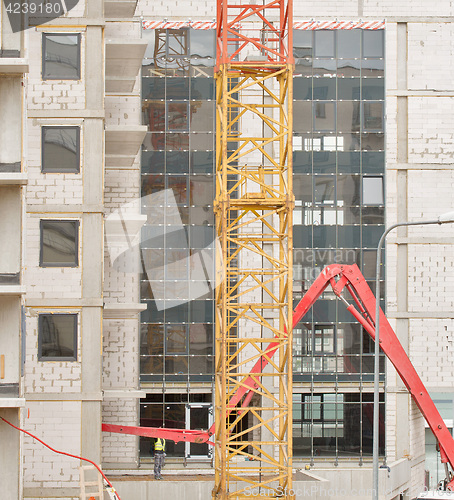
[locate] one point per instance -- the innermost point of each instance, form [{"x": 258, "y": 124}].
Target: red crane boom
[{"x": 362, "y": 307}]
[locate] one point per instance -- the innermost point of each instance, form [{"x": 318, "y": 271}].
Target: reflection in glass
[
  {"x": 302, "y": 44},
  {"x": 176, "y": 339},
  {"x": 349, "y": 44},
  {"x": 177, "y": 88},
  {"x": 373, "y": 89},
  {"x": 348, "y": 68},
  {"x": 61, "y": 56},
  {"x": 349, "y": 89},
  {"x": 324, "y": 43},
  {"x": 324, "y": 236},
  {"x": 371, "y": 236},
  {"x": 348, "y": 215},
  {"x": 348, "y": 116},
  {"x": 60, "y": 149},
  {"x": 373, "y": 67},
  {"x": 302, "y": 88},
  {"x": 349, "y": 142},
  {"x": 202, "y": 115},
  {"x": 373, "y": 142},
  {"x": 177, "y": 264},
  {"x": 202, "y": 88},
  {"x": 372, "y": 163},
  {"x": 324, "y": 116},
  {"x": 201, "y": 338},
  {"x": 348, "y": 190},
  {"x": 202, "y": 43},
  {"x": 201, "y": 190},
  {"x": 202, "y": 162},
  {"x": 349, "y": 236},
  {"x": 324, "y": 88},
  {"x": 152, "y": 365},
  {"x": 324, "y": 189},
  {"x": 373, "y": 43},
  {"x": 59, "y": 243},
  {"x": 324, "y": 67},
  {"x": 154, "y": 115},
  {"x": 153, "y": 87},
  {"x": 302, "y": 162},
  {"x": 302, "y": 116},
  {"x": 324, "y": 162},
  {"x": 348, "y": 163},
  {"x": 373, "y": 116},
  {"x": 151, "y": 339},
  {"x": 177, "y": 116},
  {"x": 373, "y": 215}
]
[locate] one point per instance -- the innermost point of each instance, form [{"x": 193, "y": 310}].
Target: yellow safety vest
[{"x": 159, "y": 444}]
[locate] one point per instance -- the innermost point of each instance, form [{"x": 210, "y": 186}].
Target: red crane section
[{"x": 361, "y": 304}]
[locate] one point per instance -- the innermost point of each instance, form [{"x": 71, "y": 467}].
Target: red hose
[{"x": 63, "y": 453}]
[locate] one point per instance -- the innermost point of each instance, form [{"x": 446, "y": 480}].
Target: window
[
  {"x": 57, "y": 337},
  {"x": 61, "y": 56},
  {"x": 59, "y": 243},
  {"x": 373, "y": 191},
  {"x": 60, "y": 149}
]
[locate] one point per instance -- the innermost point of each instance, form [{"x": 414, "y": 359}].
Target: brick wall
[{"x": 58, "y": 424}]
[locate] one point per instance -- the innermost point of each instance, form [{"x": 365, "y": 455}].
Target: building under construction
[{"x": 174, "y": 178}]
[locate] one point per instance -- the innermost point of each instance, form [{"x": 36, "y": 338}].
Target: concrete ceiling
[
  {"x": 123, "y": 62},
  {"x": 119, "y": 8},
  {"x": 122, "y": 144}
]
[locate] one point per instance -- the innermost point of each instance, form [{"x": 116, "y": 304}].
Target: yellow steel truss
[{"x": 253, "y": 205}]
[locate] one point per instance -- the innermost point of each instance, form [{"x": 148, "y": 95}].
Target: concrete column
[
  {"x": 402, "y": 325},
  {"x": 93, "y": 238},
  {"x": 10, "y": 458}
]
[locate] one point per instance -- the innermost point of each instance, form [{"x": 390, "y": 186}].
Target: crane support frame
[{"x": 253, "y": 206}]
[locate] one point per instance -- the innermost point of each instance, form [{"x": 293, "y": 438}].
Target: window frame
[
  {"x": 41, "y": 244},
  {"x": 40, "y": 339},
  {"x": 46, "y": 127},
  {"x": 43, "y": 57}
]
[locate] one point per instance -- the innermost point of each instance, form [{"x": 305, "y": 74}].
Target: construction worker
[{"x": 159, "y": 456}]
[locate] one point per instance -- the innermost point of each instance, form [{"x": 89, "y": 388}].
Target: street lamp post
[{"x": 442, "y": 219}]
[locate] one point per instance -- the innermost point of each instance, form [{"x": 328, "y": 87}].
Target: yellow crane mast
[{"x": 254, "y": 204}]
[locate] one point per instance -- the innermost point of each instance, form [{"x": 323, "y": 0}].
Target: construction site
[{"x": 206, "y": 203}]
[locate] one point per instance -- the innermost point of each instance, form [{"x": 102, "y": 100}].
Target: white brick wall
[
  {"x": 120, "y": 349},
  {"x": 424, "y": 70},
  {"x": 57, "y": 424},
  {"x": 430, "y": 137},
  {"x": 122, "y": 110},
  {"x": 49, "y": 282},
  {"x": 387, "y": 8},
  {"x": 120, "y": 447},
  {"x": 51, "y": 188},
  {"x": 49, "y": 376}
]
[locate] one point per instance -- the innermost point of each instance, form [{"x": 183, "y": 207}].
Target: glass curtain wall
[
  {"x": 178, "y": 106},
  {"x": 339, "y": 217}
]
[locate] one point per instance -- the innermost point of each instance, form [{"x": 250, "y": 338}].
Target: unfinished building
[{"x": 108, "y": 127}]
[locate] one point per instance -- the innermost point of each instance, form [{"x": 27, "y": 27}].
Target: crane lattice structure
[{"x": 254, "y": 204}]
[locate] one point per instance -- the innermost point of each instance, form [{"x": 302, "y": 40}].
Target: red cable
[{"x": 63, "y": 453}]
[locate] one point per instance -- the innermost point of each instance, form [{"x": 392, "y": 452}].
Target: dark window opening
[{"x": 57, "y": 337}]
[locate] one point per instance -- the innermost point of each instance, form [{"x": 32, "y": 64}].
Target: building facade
[{"x": 107, "y": 129}]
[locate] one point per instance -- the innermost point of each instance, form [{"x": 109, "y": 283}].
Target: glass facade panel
[
  {"x": 341, "y": 159},
  {"x": 178, "y": 89}
]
